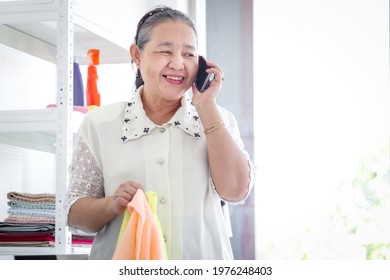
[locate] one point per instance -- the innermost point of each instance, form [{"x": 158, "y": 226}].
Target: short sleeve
[{"x": 86, "y": 178}]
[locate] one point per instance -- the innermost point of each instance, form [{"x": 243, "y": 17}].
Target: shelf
[
  {"x": 27, "y": 250},
  {"x": 9, "y": 252},
  {"x": 33, "y": 129},
  {"x": 31, "y": 27}
]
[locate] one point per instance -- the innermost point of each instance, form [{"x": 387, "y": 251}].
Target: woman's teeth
[{"x": 175, "y": 78}]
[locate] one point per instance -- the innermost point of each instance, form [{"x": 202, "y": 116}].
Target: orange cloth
[
  {"x": 92, "y": 91},
  {"x": 140, "y": 235}
]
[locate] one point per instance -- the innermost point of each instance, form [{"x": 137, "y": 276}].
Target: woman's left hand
[{"x": 211, "y": 93}]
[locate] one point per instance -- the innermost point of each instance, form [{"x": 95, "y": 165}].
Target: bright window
[{"x": 322, "y": 129}]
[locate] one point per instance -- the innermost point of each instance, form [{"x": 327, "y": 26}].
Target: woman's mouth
[{"x": 174, "y": 79}]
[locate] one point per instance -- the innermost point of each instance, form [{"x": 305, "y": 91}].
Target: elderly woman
[{"x": 169, "y": 138}]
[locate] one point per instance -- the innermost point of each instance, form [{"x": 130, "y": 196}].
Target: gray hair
[{"x": 150, "y": 20}]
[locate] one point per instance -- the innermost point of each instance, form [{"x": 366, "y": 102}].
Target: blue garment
[{"x": 78, "y": 86}]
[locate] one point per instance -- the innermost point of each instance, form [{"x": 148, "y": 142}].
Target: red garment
[{"x": 18, "y": 237}]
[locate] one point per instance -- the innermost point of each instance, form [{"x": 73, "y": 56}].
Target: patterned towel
[
  {"x": 28, "y": 197},
  {"x": 30, "y": 205},
  {"x": 32, "y": 212},
  {"x": 27, "y": 219}
]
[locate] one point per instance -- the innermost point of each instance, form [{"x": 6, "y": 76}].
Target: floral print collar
[{"x": 137, "y": 124}]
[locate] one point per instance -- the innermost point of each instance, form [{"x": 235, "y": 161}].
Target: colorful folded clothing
[
  {"x": 27, "y": 234},
  {"x": 30, "y": 221}
]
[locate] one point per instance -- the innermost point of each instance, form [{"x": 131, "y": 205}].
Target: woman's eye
[{"x": 165, "y": 52}]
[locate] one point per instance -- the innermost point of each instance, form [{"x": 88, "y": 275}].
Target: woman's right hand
[{"x": 124, "y": 194}]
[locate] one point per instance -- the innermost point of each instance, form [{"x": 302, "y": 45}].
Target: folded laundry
[
  {"x": 28, "y": 219},
  {"x": 30, "y": 205},
  {"x": 32, "y": 212},
  {"x": 29, "y": 197},
  {"x": 26, "y": 236},
  {"x": 28, "y": 227},
  {"x": 27, "y": 244}
]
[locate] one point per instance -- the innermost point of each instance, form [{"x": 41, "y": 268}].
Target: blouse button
[
  {"x": 162, "y": 129},
  {"x": 161, "y": 161},
  {"x": 165, "y": 238},
  {"x": 163, "y": 200}
]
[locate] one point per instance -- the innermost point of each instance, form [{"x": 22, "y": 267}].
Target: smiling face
[{"x": 169, "y": 61}]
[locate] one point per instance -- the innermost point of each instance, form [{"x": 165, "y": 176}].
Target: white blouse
[{"x": 119, "y": 142}]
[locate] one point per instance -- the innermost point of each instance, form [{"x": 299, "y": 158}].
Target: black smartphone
[{"x": 203, "y": 79}]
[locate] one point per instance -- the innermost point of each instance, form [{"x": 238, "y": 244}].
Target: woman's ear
[{"x": 135, "y": 54}]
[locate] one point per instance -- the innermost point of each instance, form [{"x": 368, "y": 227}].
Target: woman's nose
[{"x": 176, "y": 62}]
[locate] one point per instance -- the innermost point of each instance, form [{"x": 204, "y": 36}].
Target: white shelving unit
[
  {"x": 33, "y": 129},
  {"x": 31, "y": 251},
  {"x": 31, "y": 26},
  {"x": 53, "y": 30}
]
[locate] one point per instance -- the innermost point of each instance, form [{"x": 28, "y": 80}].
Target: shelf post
[{"x": 64, "y": 146}]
